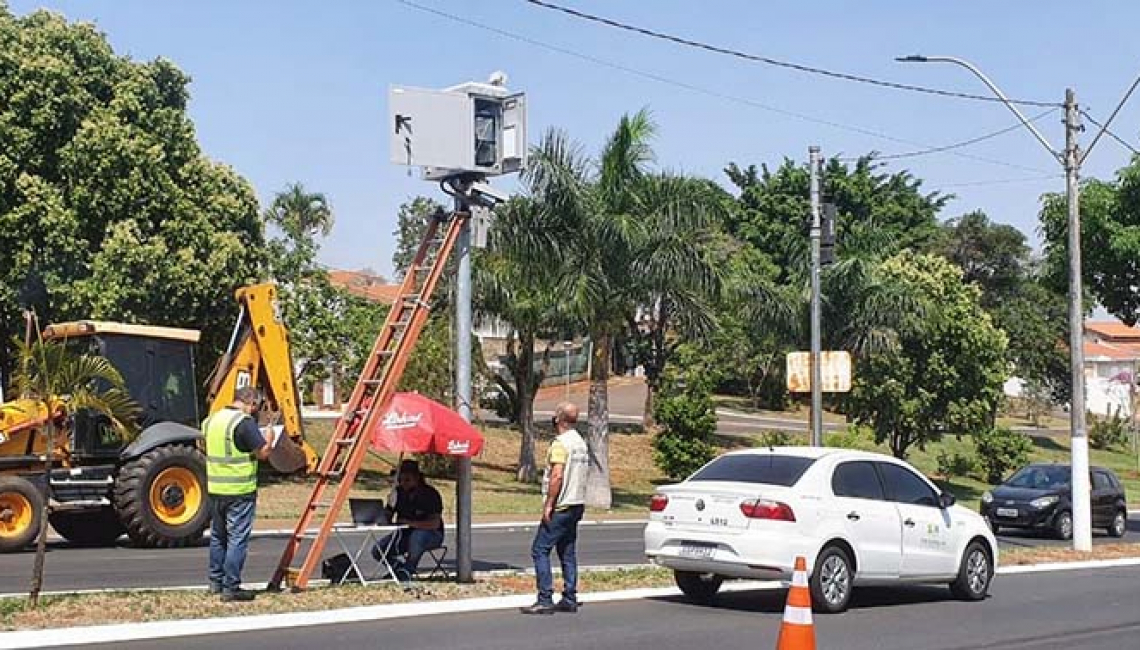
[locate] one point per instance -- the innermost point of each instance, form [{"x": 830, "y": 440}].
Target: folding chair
[{"x": 437, "y": 556}]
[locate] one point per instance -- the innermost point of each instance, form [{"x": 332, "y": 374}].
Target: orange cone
[{"x": 797, "y": 631}]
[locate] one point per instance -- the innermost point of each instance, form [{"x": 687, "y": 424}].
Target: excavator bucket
[{"x": 288, "y": 456}]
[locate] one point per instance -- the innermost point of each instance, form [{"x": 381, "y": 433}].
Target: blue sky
[{"x": 296, "y": 91}]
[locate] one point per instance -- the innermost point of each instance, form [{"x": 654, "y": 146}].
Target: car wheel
[
  {"x": 831, "y": 581},
  {"x": 699, "y": 587},
  {"x": 975, "y": 573},
  {"x": 1119, "y": 524},
  {"x": 1063, "y": 525}
]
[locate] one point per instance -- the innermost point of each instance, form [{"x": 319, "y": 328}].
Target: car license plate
[
  {"x": 697, "y": 551},
  {"x": 1007, "y": 512}
]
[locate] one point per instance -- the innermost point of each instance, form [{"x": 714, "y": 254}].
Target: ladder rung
[
  {"x": 334, "y": 474},
  {"x": 344, "y": 443},
  {"x": 321, "y": 504}
]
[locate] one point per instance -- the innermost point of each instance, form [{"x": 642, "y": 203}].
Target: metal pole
[
  {"x": 567, "y": 344},
  {"x": 816, "y": 345},
  {"x": 463, "y": 397},
  {"x": 1082, "y": 513}
]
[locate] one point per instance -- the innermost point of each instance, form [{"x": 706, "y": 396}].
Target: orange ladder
[{"x": 349, "y": 444}]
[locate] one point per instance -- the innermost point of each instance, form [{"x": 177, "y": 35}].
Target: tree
[
  {"x": 943, "y": 367},
  {"x": 51, "y": 379},
  {"x": 412, "y": 222},
  {"x": 993, "y": 256},
  {"x": 1110, "y": 241},
  {"x": 105, "y": 193}
]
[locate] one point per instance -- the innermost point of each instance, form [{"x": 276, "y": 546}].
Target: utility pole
[
  {"x": 463, "y": 396},
  {"x": 1082, "y": 514},
  {"x": 816, "y": 345}
]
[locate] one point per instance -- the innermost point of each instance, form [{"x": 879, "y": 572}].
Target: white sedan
[{"x": 858, "y": 518}]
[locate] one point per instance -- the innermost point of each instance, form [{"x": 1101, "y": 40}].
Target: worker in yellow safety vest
[{"x": 234, "y": 444}]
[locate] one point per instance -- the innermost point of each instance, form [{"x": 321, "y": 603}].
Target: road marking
[{"x": 1068, "y": 566}]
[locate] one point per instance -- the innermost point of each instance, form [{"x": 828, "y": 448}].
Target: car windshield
[
  {"x": 1041, "y": 478},
  {"x": 769, "y": 469}
]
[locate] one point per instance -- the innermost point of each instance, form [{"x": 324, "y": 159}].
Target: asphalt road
[
  {"x": 1092, "y": 610},
  {"x": 125, "y": 567}
]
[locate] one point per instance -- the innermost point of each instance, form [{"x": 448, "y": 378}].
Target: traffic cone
[{"x": 797, "y": 631}]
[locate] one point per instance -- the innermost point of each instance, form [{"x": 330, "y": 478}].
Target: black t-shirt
[
  {"x": 247, "y": 437},
  {"x": 419, "y": 504}
]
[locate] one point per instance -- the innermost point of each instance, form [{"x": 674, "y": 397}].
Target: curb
[{"x": 193, "y": 627}]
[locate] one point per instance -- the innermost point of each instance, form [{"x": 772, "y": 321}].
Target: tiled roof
[
  {"x": 364, "y": 285},
  {"x": 1110, "y": 352},
  {"x": 1113, "y": 330}
]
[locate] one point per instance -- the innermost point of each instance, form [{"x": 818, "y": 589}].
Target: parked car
[
  {"x": 857, "y": 517},
  {"x": 1039, "y": 497}
]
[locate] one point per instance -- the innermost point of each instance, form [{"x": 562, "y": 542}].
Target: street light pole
[
  {"x": 1071, "y": 160},
  {"x": 463, "y": 487},
  {"x": 816, "y": 345}
]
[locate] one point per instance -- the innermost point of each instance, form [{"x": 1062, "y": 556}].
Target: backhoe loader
[{"x": 154, "y": 487}]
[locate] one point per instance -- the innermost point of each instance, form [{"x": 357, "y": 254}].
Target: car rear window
[{"x": 769, "y": 469}]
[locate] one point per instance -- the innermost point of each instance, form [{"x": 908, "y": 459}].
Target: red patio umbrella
[{"x": 415, "y": 424}]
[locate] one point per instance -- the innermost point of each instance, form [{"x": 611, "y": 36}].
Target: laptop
[{"x": 368, "y": 512}]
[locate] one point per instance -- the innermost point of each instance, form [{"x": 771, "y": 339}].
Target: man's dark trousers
[{"x": 560, "y": 534}]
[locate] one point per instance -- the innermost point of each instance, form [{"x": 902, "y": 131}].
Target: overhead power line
[
  {"x": 1124, "y": 143},
  {"x": 964, "y": 143},
  {"x": 705, "y": 91},
  {"x": 1003, "y": 181},
  {"x": 756, "y": 58}
]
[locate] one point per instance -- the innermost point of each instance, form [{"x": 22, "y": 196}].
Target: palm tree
[
  {"x": 52, "y": 379},
  {"x": 299, "y": 213}
]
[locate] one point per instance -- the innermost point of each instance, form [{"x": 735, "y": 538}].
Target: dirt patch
[
  {"x": 1023, "y": 556},
  {"x": 136, "y": 607}
]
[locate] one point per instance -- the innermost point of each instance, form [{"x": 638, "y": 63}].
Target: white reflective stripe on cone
[
  {"x": 799, "y": 579},
  {"x": 797, "y": 615}
]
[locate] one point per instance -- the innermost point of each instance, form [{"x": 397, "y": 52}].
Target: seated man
[{"x": 418, "y": 506}]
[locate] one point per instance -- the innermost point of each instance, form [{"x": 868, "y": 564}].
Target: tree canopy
[{"x": 106, "y": 199}]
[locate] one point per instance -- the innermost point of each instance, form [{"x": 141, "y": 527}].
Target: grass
[
  {"x": 496, "y": 493},
  {"x": 1043, "y": 554}
]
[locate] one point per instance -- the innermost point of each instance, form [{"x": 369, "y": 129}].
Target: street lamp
[{"x": 1071, "y": 161}]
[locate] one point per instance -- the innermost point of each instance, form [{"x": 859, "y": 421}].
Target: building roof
[
  {"x": 1110, "y": 352},
  {"x": 89, "y": 327},
  {"x": 1113, "y": 330},
  {"x": 365, "y": 285}
]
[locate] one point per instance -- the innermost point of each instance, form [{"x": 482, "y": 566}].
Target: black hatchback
[{"x": 1039, "y": 497}]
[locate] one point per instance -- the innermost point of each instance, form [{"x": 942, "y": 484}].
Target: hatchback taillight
[
  {"x": 658, "y": 502},
  {"x": 766, "y": 509}
]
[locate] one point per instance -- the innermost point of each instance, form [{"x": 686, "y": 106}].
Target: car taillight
[
  {"x": 658, "y": 502},
  {"x": 765, "y": 509}
]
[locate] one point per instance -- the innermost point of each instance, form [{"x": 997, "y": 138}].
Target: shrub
[
  {"x": 999, "y": 450},
  {"x": 855, "y": 437},
  {"x": 777, "y": 439},
  {"x": 956, "y": 464},
  {"x": 1108, "y": 432},
  {"x": 687, "y": 422}
]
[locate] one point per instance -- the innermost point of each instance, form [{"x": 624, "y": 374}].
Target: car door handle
[
  {"x": 853, "y": 516},
  {"x": 909, "y": 523}
]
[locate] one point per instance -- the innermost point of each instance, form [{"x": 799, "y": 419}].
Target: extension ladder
[{"x": 382, "y": 371}]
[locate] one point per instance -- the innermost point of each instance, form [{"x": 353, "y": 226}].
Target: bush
[
  {"x": 687, "y": 422},
  {"x": 999, "y": 450},
  {"x": 855, "y": 437},
  {"x": 777, "y": 439},
  {"x": 955, "y": 465},
  {"x": 1108, "y": 432}
]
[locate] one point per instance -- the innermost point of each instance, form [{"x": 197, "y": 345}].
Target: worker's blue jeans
[
  {"x": 412, "y": 543},
  {"x": 560, "y": 534},
  {"x": 230, "y": 526}
]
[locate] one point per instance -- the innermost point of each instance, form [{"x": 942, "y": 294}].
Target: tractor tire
[
  {"x": 88, "y": 527},
  {"x": 161, "y": 497},
  {"x": 21, "y": 511}
]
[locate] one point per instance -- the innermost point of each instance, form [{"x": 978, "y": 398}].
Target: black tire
[
  {"x": 133, "y": 497},
  {"x": 1119, "y": 525},
  {"x": 698, "y": 587},
  {"x": 88, "y": 527},
  {"x": 975, "y": 573},
  {"x": 832, "y": 581},
  {"x": 22, "y": 505},
  {"x": 1063, "y": 525}
]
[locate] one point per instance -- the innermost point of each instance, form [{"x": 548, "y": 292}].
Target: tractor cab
[{"x": 157, "y": 365}]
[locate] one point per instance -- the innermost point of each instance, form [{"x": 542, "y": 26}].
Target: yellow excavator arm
[{"x": 258, "y": 355}]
